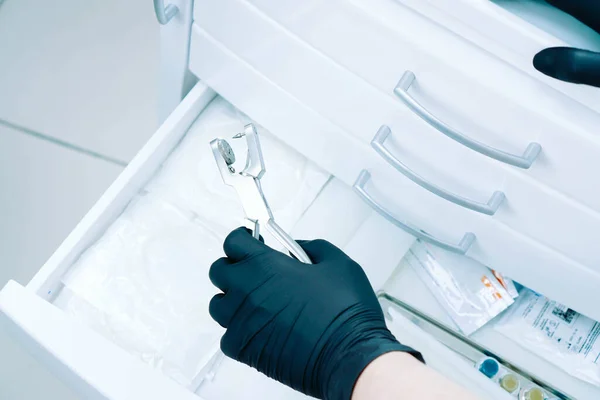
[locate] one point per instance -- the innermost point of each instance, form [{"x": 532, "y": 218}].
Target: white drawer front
[
  {"x": 87, "y": 362},
  {"x": 521, "y": 258},
  {"x": 359, "y": 108},
  {"x": 515, "y": 31},
  {"x": 484, "y": 98}
]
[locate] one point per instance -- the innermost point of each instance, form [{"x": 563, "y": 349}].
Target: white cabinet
[
  {"x": 377, "y": 42},
  {"x": 529, "y": 262},
  {"x": 320, "y": 76},
  {"x": 360, "y": 109}
]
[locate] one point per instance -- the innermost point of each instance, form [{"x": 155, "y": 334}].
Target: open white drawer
[
  {"x": 100, "y": 369},
  {"x": 515, "y": 31},
  {"x": 84, "y": 284},
  {"x": 97, "y": 367}
]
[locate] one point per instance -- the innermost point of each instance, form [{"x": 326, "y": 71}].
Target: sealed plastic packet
[
  {"x": 556, "y": 333},
  {"x": 466, "y": 289}
]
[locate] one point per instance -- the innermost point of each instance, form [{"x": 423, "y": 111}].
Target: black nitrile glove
[
  {"x": 570, "y": 64},
  {"x": 312, "y": 327}
]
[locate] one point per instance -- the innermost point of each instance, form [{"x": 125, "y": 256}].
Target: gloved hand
[
  {"x": 570, "y": 64},
  {"x": 312, "y": 327}
]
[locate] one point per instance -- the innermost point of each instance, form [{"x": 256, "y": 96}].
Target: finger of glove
[
  {"x": 240, "y": 244},
  {"x": 569, "y": 65},
  {"x": 216, "y": 309},
  {"x": 586, "y": 11},
  {"x": 222, "y": 307},
  {"x": 321, "y": 250},
  {"x": 220, "y": 273},
  {"x": 245, "y": 327}
]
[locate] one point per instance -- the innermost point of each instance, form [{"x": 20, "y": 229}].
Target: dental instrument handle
[
  {"x": 286, "y": 240},
  {"x": 254, "y": 226}
]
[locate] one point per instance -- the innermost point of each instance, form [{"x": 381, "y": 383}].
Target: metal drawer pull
[
  {"x": 164, "y": 14},
  {"x": 359, "y": 187},
  {"x": 488, "y": 208},
  {"x": 524, "y": 161}
]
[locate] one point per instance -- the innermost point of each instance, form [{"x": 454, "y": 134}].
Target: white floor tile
[
  {"x": 82, "y": 71},
  {"x": 44, "y": 191}
]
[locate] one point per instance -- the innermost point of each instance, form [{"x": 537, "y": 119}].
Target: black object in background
[{"x": 571, "y": 64}]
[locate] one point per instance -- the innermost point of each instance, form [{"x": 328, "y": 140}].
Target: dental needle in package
[
  {"x": 556, "y": 333},
  {"x": 468, "y": 290}
]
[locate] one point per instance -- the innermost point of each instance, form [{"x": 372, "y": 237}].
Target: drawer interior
[
  {"x": 142, "y": 282},
  {"x": 138, "y": 284}
]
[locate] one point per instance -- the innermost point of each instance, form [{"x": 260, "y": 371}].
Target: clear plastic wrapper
[
  {"x": 466, "y": 289},
  {"x": 556, "y": 333},
  {"x": 507, "y": 284},
  {"x": 144, "y": 284}
]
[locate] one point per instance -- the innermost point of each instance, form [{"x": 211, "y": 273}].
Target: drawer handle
[
  {"x": 359, "y": 187},
  {"x": 164, "y": 14},
  {"x": 488, "y": 208},
  {"x": 524, "y": 161}
]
